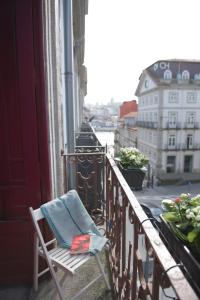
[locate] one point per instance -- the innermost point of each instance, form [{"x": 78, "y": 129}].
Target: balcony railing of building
[
  {"x": 140, "y": 264},
  {"x": 147, "y": 124},
  {"x": 168, "y": 125},
  {"x": 194, "y": 125},
  {"x": 181, "y": 146}
]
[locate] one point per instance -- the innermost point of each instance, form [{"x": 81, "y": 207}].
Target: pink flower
[{"x": 177, "y": 200}]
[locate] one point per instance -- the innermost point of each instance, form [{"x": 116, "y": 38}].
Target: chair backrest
[{"x": 37, "y": 215}]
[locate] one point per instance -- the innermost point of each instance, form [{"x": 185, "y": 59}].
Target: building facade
[
  {"x": 168, "y": 118},
  {"x": 126, "y": 132}
]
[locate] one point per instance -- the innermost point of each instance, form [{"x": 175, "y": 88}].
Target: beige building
[{"x": 126, "y": 132}]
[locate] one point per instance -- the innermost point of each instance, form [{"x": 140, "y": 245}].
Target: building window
[
  {"x": 171, "y": 140},
  {"x": 190, "y": 118},
  {"x": 173, "y": 97},
  {"x": 171, "y": 161},
  {"x": 189, "y": 141},
  {"x": 172, "y": 119},
  {"x": 191, "y": 97},
  {"x": 167, "y": 75},
  {"x": 155, "y": 99},
  {"x": 197, "y": 77},
  {"x": 185, "y": 75},
  {"x": 150, "y": 137},
  {"x": 188, "y": 161}
]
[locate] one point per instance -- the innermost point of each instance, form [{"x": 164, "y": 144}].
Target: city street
[{"x": 155, "y": 195}]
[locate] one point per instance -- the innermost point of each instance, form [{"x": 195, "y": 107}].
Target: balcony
[
  {"x": 190, "y": 147},
  {"x": 147, "y": 124},
  {"x": 170, "y": 125},
  {"x": 139, "y": 262},
  {"x": 172, "y": 148},
  {"x": 194, "y": 125},
  {"x": 182, "y": 146}
]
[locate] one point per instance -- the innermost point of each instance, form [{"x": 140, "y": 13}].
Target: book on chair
[{"x": 80, "y": 244}]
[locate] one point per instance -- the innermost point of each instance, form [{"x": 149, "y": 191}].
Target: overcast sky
[{"x": 123, "y": 37}]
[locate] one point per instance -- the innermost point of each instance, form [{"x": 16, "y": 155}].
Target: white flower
[
  {"x": 168, "y": 201},
  {"x": 190, "y": 215},
  {"x": 195, "y": 210},
  {"x": 197, "y": 218}
]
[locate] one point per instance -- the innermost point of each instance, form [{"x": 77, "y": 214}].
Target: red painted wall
[{"x": 128, "y": 106}]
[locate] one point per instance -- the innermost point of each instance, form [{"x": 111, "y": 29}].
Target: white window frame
[
  {"x": 172, "y": 118},
  {"x": 185, "y": 75},
  {"x": 167, "y": 75},
  {"x": 191, "y": 97},
  {"x": 172, "y": 140},
  {"x": 190, "y": 117},
  {"x": 173, "y": 97}
]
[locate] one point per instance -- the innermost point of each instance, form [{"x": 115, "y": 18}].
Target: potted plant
[
  {"x": 180, "y": 231},
  {"x": 132, "y": 164},
  {"x": 183, "y": 217}
]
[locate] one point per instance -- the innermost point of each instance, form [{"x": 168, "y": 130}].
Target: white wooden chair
[{"x": 58, "y": 257}]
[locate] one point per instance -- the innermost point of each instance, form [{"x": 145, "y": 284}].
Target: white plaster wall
[
  {"x": 52, "y": 56},
  {"x": 151, "y": 84}
]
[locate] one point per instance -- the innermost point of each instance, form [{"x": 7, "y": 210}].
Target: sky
[{"x": 124, "y": 37}]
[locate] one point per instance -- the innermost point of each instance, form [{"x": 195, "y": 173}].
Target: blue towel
[{"x": 68, "y": 217}]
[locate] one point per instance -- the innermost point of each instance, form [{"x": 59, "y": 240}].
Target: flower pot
[
  {"x": 182, "y": 251},
  {"x": 134, "y": 177}
]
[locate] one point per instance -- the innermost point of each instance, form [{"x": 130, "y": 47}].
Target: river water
[{"x": 106, "y": 138}]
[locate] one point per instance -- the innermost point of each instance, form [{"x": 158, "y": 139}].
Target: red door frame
[
  {"x": 42, "y": 149},
  {"x": 41, "y": 99}
]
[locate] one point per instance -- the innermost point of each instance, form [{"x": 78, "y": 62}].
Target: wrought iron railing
[
  {"x": 140, "y": 263},
  {"x": 88, "y": 171},
  {"x": 141, "y": 266}
]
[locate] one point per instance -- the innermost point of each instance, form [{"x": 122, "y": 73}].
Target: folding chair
[{"x": 58, "y": 257}]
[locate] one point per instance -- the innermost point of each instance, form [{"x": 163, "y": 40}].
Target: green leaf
[
  {"x": 171, "y": 217},
  {"x": 192, "y": 236}
]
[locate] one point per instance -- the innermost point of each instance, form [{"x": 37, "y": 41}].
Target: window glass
[
  {"x": 188, "y": 161},
  {"x": 171, "y": 140},
  {"x": 172, "y": 118},
  {"x": 190, "y": 117},
  {"x": 171, "y": 161},
  {"x": 173, "y": 97},
  {"x": 167, "y": 75},
  {"x": 191, "y": 97},
  {"x": 189, "y": 141},
  {"x": 185, "y": 75}
]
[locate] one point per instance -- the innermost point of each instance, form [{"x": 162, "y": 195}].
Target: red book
[{"x": 80, "y": 244}]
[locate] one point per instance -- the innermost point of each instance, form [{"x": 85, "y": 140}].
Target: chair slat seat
[{"x": 62, "y": 257}]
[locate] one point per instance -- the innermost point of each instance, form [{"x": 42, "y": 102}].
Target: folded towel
[{"x": 68, "y": 217}]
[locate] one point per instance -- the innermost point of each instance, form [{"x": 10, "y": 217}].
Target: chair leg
[
  {"x": 54, "y": 277},
  {"x": 36, "y": 262},
  {"x": 102, "y": 271}
]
